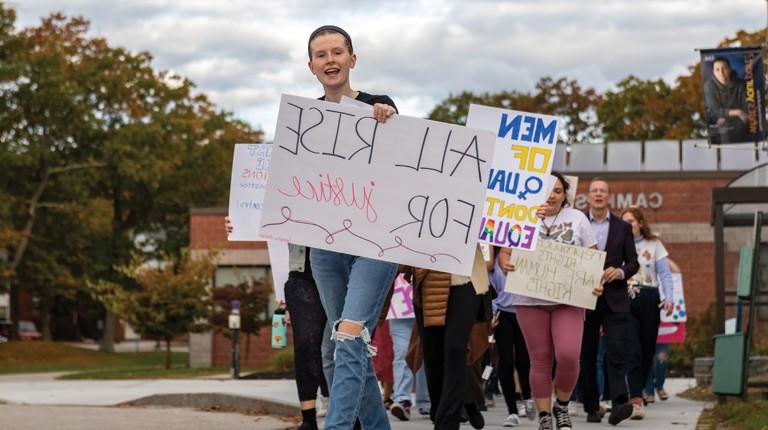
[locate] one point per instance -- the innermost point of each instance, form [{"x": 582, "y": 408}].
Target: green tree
[
  {"x": 168, "y": 300},
  {"x": 254, "y": 299},
  {"x": 561, "y": 97},
  {"x": 152, "y": 146},
  {"x": 637, "y": 110}
]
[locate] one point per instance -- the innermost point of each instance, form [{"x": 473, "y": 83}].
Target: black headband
[{"x": 332, "y": 28}]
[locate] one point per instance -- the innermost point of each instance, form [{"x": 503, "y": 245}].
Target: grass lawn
[
  {"x": 27, "y": 357},
  {"x": 736, "y": 414}
]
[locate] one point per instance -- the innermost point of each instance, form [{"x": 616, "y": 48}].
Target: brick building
[{"x": 671, "y": 181}]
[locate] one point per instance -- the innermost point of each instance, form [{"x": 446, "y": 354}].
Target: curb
[{"x": 217, "y": 400}]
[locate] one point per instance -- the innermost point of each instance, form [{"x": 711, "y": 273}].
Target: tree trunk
[
  {"x": 167, "y": 353},
  {"x": 14, "y": 308},
  {"x": 26, "y": 233},
  {"x": 108, "y": 338},
  {"x": 45, "y": 314}
]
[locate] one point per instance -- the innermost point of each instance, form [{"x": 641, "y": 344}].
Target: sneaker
[
  {"x": 662, "y": 394},
  {"x": 424, "y": 412},
  {"x": 308, "y": 425},
  {"x": 605, "y": 407},
  {"x": 638, "y": 412},
  {"x": 545, "y": 422},
  {"x": 321, "y": 406},
  {"x": 401, "y": 410},
  {"x": 649, "y": 398},
  {"x": 490, "y": 401},
  {"x": 594, "y": 418},
  {"x": 530, "y": 409},
  {"x": 562, "y": 418},
  {"x": 619, "y": 413},
  {"x": 511, "y": 421},
  {"x": 476, "y": 419}
]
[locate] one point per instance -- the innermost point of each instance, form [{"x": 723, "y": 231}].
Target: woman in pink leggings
[{"x": 553, "y": 331}]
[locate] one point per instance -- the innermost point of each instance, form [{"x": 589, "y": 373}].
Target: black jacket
[{"x": 620, "y": 252}]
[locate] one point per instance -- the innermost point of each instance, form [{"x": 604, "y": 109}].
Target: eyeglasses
[{"x": 599, "y": 190}]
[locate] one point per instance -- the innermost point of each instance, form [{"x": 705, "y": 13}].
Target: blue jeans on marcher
[
  {"x": 353, "y": 289},
  {"x": 326, "y": 350},
  {"x": 601, "y": 368},
  {"x": 659, "y": 371},
  {"x": 422, "y": 391},
  {"x": 401, "y": 330}
]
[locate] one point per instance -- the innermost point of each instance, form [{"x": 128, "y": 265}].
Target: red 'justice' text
[{"x": 335, "y": 192}]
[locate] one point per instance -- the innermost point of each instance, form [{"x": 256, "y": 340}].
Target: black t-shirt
[{"x": 370, "y": 99}]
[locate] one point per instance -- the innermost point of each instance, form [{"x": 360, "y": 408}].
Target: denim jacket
[{"x": 297, "y": 255}]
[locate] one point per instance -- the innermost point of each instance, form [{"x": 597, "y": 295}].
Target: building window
[
  {"x": 5, "y": 313},
  {"x": 234, "y": 275}
]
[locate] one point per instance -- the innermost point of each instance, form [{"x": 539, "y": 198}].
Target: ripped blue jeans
[{"x": 353, "y": 289}]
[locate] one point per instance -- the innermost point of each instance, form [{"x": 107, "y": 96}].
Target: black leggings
[
  {"x": 644, "y": 329},
  {"x": 512, "y": 355},
  {"x": 445, "y": 355},
  {"x": 308, "y": 321}
]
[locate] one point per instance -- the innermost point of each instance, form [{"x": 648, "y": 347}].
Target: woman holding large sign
[
  {"x": 644, "y": 291},
  {"x": 553, "y": 331},
  {"x": 353, "y": 289}
]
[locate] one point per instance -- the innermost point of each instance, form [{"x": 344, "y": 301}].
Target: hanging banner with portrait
[{"x": 734, "y": 95}]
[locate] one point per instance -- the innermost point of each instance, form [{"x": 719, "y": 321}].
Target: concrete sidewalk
[{"x": 37, "y": 390}]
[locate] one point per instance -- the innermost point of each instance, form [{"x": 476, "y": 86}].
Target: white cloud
[{"x": 244, "y": 54}]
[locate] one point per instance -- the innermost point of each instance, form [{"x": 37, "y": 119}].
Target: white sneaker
[
  {"x": 511, "y": 421},
  {"x": 530, "y": 409},
  {"x": 321, "y": 406}
]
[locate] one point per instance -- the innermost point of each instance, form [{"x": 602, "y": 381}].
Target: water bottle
[{"x": 279, "y": 339}]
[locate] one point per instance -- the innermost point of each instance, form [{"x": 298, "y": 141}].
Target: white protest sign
[
  {"x": 519, "y": 177},
  {"x": 279, "y": 264},
  {"x": 679, "y": 313},
  {"x": 401, "y": 305},
  {"x": 250, "y": 168},
  {"x": 557, "y": 272},
  {"x": 408, "y": 191}
]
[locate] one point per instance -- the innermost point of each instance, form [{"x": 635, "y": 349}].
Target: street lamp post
[{"x": 234, "y": 325}]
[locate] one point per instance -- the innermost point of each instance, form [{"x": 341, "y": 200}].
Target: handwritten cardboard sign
[
  {"x": 518, "y": 181},
  {"x": 557, "y": 272},
  {"x": 250, "y": 169},
  {"x": 401, "y": 305},
  {"x": 408, "y": 191}
]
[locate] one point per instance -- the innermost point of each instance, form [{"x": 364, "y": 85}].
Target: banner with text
[
  {"x": 519, "y": 177},
  {"x": 408, "y": 191},
  {"x": 401, "y": 305},
  {"x": 734, "y": 94},
  {"x": 557, "y": 272}
]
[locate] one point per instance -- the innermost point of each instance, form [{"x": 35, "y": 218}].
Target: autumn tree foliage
[
  {"x": 91, "y": 135},
  {"x": 254, "y": 296},
  {"x": 635, "y": 109},
  {"x": 168, "y": 298}
]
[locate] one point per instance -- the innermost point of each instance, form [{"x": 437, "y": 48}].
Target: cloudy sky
[{"x": 244, "y": 54}]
